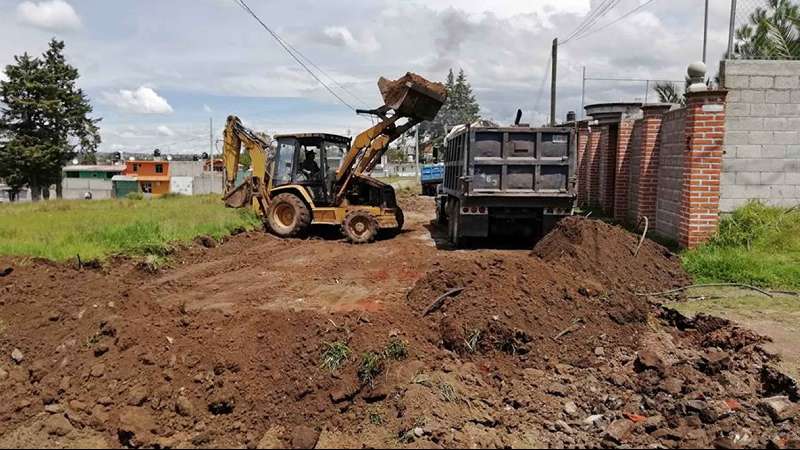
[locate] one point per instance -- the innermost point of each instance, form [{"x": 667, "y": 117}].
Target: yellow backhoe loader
[{"x": 317, "y": 178}]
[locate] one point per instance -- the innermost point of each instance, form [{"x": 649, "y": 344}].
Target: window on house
[
  {"x": 135, "y": 167},
  {"x": 159, "y": 168},
  {"x": 147, "y": 188}
]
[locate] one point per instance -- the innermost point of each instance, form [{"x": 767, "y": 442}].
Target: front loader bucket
[
  {"x": 240, "y": 196},
  {"x": 413, "y": 96}
]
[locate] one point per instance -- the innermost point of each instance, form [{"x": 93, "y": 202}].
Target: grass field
[
  {"x": 757, "y": 244},
  {"x": 60, "y": 230}
]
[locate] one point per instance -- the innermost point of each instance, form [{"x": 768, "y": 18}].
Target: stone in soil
[
  {"x": 780, "y": 408},
  {"x": 184, "y": 406},
  {"x": 17, "y": 356},
  {"x": 304, "y": 437},
  {"x": 57, "y": 425}
]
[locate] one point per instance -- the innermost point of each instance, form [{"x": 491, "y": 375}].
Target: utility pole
[
  {"x": 416, "y": 154},
  {"x": 705, "y": 34},
  {"x": 211, "y": 142},
  {"x": 553, "y": 84},
  {"x": 583, "y": 94}
]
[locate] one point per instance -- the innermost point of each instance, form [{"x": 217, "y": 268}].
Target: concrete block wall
[
  {"x": 670, "y": 174},
  {"x": 762, "y": 133},
  {"x": 76, "y": 188}
]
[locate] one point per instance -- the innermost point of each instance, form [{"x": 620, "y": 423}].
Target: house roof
[{"x": 94, "y": 168}]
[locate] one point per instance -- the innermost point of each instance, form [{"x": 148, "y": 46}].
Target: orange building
[{"x": 152, "y": 176}]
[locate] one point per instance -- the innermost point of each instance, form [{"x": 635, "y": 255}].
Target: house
[
  {"x": 94, "y": 180},
  {"x": 152, "y": 177}
]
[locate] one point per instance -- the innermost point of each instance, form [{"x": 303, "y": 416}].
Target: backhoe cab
[{"x": 316, "y": 178}]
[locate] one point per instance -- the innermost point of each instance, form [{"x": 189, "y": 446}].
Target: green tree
[
  {"x": 44, "y": 121},
  {"x": 773, "y": 32},
  {"x": 461, "y": 107}
]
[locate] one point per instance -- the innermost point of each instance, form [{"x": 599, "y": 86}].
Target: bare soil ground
[
  {"x": 777, "y": 318},
  {"x": 225, "y": 348}
]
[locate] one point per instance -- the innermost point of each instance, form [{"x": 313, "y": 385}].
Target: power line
[
  {"x": 591, "y": 19},
  {"x": 621, "y": 18},
  {"x": 291, "y": 53},
  {"x": 308, "y": 60},
  {"x": 540, "y": 93}
]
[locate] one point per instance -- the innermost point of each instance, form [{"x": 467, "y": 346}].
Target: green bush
[
  {"x": 135, "y": 196},
  {"x": 756, "y": 244}
]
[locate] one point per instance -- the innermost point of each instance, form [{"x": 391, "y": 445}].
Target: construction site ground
[{"x": 260, "y": 342}]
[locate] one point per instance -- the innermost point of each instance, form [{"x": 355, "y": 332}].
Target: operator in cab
[{"x": 309, "y": 166}]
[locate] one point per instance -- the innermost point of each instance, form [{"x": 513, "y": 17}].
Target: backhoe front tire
[
  {"x": 288, "y": 215},
  {"x": 360, "y": 227}
]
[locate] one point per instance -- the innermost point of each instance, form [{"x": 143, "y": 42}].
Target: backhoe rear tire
[
  {"x": 360, "y": 227},
  {"x": 401, "y": 219},
  {"x": 288, "y": 215}
]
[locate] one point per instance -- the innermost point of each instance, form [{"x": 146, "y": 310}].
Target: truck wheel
[
  {"x": 453, "y": 225},
  {"x": 360, "y": 227},
  {"x": 441, "y": 214},
  {"x": 288, "y": 215}
]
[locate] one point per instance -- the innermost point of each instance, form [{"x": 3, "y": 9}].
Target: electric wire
[{"x": 288, "y": 50}]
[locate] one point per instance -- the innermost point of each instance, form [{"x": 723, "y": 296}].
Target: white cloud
[
  {"x": 207, "y": 109},
  {"x": 141, "y": 101},
  {"x": 53, "y": 15},
  {"x": 342, "y": 37},
  {"x": 165, "y": 130}
]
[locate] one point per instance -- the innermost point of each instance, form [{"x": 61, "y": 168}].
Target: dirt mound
[
  {"x": 232, "y": 348},
  {"x": 524, "y": 306},
  {"x": 607, "y": 254}
]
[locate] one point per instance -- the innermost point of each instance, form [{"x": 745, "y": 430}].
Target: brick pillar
[
  {"x": 583, "y": 144},
  {"x": 702, "y": 166},
  {"x": 608, "y": 157},
  {"x": 622, "y": 170},
  {"x": 648, "y": 163},
  {"x": 599, "y": 133}
]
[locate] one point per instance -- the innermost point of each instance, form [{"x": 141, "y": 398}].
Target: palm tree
[
  {"x": 669, "y": 93},
  {"x": 773, "y": 32}
]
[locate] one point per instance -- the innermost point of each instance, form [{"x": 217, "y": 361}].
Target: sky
[{"x": 158, "y": 72}]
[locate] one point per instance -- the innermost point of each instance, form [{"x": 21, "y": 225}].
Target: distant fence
[{"x": 765, "y": 29}]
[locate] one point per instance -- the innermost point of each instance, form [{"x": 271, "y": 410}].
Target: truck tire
[
  {"x": 288, "y": 215},
  {"x": 441, "y": 212},
  {"x": 453, "y": 227},
  {"x": 360, "y": 227}
]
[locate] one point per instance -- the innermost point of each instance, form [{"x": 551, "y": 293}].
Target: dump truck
[
  {"x": 306, "y": 179},
  {"x": 430, "y": 177},
  {"x": 515, "y": 181}
]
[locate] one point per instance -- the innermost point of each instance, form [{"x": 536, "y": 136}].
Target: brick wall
[
  {"x": 648, "y": 163},
  {"x": 762, "y": 141},
  {"x": 634, "y": 155},
  {"x": 583, "y": 145},
  {"x": 622, "y": 167},
  {"x": 608, "y": 163},
  {"x": 670, "y": 174},
  {"x": 593, "y": 162}
]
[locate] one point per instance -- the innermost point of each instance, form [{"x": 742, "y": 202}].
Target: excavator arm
[
  {"x": 254, "y": 191},
  {"x": 407, "y": 102}
]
